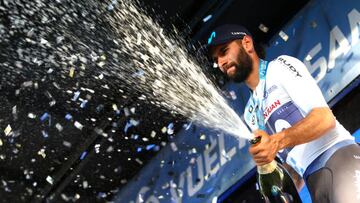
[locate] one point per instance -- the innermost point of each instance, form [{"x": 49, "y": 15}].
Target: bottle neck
[{"x": 267, "y": 168}]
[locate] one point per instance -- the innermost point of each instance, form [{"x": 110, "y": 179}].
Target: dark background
[{"x": 112, "y": 155}]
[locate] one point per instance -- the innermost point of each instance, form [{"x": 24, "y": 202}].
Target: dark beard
[{"x": 243, "y": 67}]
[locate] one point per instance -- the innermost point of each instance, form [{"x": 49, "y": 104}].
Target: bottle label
[{"x": 267, "y": 168}]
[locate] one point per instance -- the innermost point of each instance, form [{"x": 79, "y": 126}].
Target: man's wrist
[{"x": 279, "y": 137}]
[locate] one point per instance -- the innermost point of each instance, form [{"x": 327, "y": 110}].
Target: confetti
[
  {"x": 44, "y": 133},
  {"x": 59, "y": 127},
  {"x": 7, "y": 130},
  {"x": 126, "y": 112},
  {"x": 283, "y": 35},
  {"x": 76, "y": 96},
  {"x": 1, "y": 143},
  {"x": 44, "y": 116},
  {"x": 42, "y": 153},
  {"x": 150, "y": 146},
  {"x": 68, "y": 116},
  {"x": 31, "y": 115},
  {"x": 50, "y": 180},
  {"x": 97, "y": 148},
  {"x": 85, "y": 184},
  {"x": 114, "y": 106},
  {"x": 187, "y": 126},
  {"x": 263, "y": 28},
  {"x": 202, "y": 137},
  {"x": 83, "y": 104},
  {"x": 153, "y": 134},
  {"x": 170, "y": 129},
  {"x": 139, "y": 161},
  {"x": 66, "y": 144},
  {"x": 173, "y": 146},
  {"x": 101, "y": 76},
  {"x": 233, "y": 95},
  {"x": 83, "y": 155},
  {"x": 71, "y": 72},
  {"x": 164, "y": 129},
  {"x": 78, "y": 125}
]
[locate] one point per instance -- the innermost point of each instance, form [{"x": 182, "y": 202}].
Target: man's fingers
[{"x": 254, "y": 150}]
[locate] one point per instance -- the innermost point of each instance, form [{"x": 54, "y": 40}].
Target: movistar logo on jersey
[{"x": 212, "y": 36}]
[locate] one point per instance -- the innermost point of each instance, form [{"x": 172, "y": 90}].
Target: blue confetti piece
[
  {"x": 83, "y": 155},
  {"x": 127, "y": 126},
  {"x": 44, "y": 134},
  {"x": 99, "y": 108},
  {"x": 44, "y": 116},
  {"x": 135, "y": 137},
  {"x": 150, "y": 146},
  {"x": 208, "y": 191},
  {"x": 68, "y": 116},
  {"x": 156, "y": 148},
  {"x": 83, "y": 104},
  {"x": 170, "y": 126},
  {"x": 76, "y": 95},
  {"x": 139, "y": 149},
  {"x": 187, "y": 126}
]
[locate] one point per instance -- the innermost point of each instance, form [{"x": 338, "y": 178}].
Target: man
[{"x": 288, "y": 111}]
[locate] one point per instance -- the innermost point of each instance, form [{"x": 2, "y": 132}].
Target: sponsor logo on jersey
[
  {"x": 269, "y": 109},
  {"x": 289, "y": 66},
  {"x": 269, "y": 91}
]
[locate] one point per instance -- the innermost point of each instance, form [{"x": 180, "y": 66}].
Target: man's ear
[{"x": 248, "y": 44}]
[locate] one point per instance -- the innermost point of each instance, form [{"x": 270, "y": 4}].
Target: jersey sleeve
[{"x": 296, "y": 80}]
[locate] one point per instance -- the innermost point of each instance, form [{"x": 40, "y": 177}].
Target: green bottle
[{"x": 276, "y": 185}]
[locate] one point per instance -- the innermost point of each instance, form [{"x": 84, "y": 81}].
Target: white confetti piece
[
  {"x": 233, "y": 95},
  {"x": 1, "y": 143},
  {"x": 66, "y": 144},
  {"x": 31, "y": 115},
  {"x": 97, "y": 148},
  {"x": 114, "y": 106},
  {"x": 173, "y": 146},
  {"x": 283, "y": 35},
  {"x": 138, "y": 41},
  {"x": 263, "y": 28},
  {"x": 85, "y": 184},
  {"x": 78, "y": 125},
  {"x": 50, "y": 180},
  {"x": 308, "y": 58},
  {"x": 202, "y": 137},
  {"x": 164, "y": 129},
  {"x": 59, "y": 127},
  {"x": 7, "y": 130},
  {"x": 103, "y": 57},
  {"x": 42, "y": 153},
  {"x": 139, "y": 161},
  {"x": 101, "y": 64},
  {"x": 101, "y": 76},
  {"x": 71, "y": 72},
  {"x": 126, "y": 111},
  {"x": 132, "y": 110},
  {"x": 153, "y": 134}
]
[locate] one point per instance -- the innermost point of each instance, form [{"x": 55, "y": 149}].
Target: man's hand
[{"x": 265, "y": 151}]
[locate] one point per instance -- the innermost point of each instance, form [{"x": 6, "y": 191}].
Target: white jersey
[{"x": 290, "y": 94}]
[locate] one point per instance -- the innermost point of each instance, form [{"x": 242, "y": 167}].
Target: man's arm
[{"x": 314, "y": 125}]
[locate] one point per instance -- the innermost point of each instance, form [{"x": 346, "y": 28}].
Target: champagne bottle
[{"x": 276, "y": 185}]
